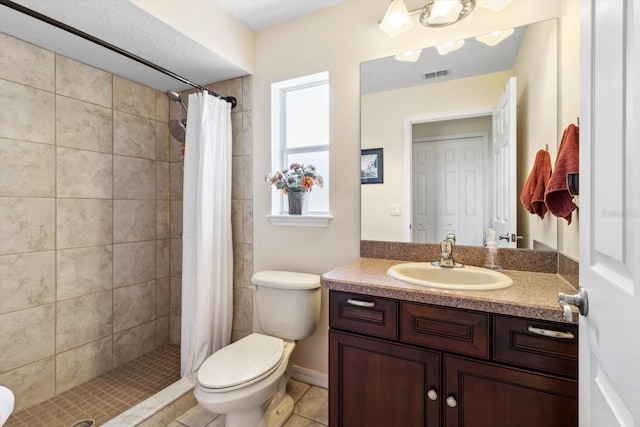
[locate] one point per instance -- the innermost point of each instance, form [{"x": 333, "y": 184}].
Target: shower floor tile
[{"x": 105, "y": 396}]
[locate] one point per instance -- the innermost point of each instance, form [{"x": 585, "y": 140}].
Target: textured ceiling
[
  {"x": 260, "y": 14},
  {"x": 121, "y": 23}
]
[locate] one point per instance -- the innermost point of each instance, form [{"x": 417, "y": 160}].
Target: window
[{"x": 300, "y": 134}]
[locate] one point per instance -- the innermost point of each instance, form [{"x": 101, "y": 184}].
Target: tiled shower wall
[
  {"x": 91, "y": 220},
  {"x": 241, "y": 208},
  {"x": 84, "y": 221}
]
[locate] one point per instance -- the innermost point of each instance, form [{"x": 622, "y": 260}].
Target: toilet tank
[{"x": 287, "y": 303}]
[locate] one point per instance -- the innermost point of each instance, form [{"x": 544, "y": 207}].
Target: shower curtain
[{"x": 207, "y": 252}]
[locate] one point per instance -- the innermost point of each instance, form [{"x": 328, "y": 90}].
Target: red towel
[
  {"x": 557, "y": 198},
  {"x": 532, "y": 196}
]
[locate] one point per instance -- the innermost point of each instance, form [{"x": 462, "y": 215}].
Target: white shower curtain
[{"x": 207, "y": 251}]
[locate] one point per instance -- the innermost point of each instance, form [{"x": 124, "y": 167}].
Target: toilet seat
[{"x": 242, "y": 363}]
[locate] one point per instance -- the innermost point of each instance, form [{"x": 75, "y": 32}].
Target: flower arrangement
[{"x": 298, "y": 178}]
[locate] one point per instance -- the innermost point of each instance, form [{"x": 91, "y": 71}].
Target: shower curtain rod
[{"x": 44, "y": 18}]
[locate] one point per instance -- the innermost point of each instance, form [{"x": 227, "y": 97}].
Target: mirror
[{"x": 433, "y": 119}]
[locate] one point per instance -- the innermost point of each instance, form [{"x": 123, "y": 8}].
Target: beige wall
[
  {"x": 386, "y": 113},
  {"x": 338, "y": 39},
  {"x": 569, "y": 105},
  {"x": 84, "y": 221},
  {"x": 536, "y": 69}
]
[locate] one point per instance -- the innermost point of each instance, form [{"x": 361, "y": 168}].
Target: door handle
[
  {"x": 579, "y": 300},
  {"x": 509, "y": 237},
  {"x": 361, "y": 303}
]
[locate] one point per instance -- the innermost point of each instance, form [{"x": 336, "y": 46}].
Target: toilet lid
[{"x": 241, "y": 362}]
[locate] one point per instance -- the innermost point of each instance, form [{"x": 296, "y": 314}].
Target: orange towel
[
  {"x": 557, "y": 198},
  {"x": 532, "y": 196}
]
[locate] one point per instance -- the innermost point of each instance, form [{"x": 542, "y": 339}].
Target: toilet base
[{"x": 277, "y": 415}]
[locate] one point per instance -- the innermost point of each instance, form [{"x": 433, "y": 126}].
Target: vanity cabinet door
[
  {"x": 377, "y": 383},
  {"x": 480, "y": 394}
]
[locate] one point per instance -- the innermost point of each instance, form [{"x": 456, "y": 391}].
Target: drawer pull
[
  {"x": 432, "y": 395},
  {"x": 550, "y": 333},
  {"x": 361, "y": 303}
]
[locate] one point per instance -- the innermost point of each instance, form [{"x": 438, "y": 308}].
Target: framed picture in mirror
[{"x": 371, "y": 166}]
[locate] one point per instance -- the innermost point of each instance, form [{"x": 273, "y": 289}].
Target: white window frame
[{"x": 279, "y": 152}]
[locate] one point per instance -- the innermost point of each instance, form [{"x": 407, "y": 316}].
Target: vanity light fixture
[
  {"x": 494, "y": 37},
  {"x": 409, "y": 56},
  {"x": 441, "y": 13},
  {"x": 449, "y": 47},
  {"x": 396, "y": 20},
  {"x": 435, "y": 14}
]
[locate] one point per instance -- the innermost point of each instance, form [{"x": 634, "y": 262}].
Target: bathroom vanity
[{"x": 408, "y": 355}]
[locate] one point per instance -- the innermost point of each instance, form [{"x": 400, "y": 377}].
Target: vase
[{"x": 296, "y": 199}]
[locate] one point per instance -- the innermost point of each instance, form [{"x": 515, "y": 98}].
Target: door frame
[{"x": 408, "y": 122}]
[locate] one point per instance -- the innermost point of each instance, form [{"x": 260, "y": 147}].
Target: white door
[
  {"x": 448, "y": 178},
  {"x": 471, "y": 197},
  {"x": 610, "y": 213},
  {"x": 447, "y": 190},
  {"x": 422, "y": 223},
  {"x": 505, "y": 196}
]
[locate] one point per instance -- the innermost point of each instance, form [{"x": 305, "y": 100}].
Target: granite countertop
[{"x": 533, "y": 295}]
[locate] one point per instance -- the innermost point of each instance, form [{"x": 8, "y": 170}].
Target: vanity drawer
[
  {"x": 448, "y": 329},
  {"x": 548, "y": 346},
  {"x": 364, "y": 314}
]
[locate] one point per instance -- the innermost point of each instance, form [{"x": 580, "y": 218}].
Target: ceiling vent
[{"x": 434, "y": 74}]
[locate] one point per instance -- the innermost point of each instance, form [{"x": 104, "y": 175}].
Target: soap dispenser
[{"x": 491, "y": 254}]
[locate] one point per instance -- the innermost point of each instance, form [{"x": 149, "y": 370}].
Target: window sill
[{"x": 316, "y": 221}]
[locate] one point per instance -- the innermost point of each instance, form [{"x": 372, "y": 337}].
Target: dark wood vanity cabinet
[
  {"x": 378, "y": 383},
  {"x": 397, "y": 363}
]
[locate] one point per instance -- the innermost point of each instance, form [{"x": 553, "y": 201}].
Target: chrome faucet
[{"x": 446, "y": 253}]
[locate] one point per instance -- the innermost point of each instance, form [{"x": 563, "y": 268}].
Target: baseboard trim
[{"x": 310, "y": 376}]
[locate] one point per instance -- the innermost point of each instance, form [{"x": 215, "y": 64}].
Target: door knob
[
  {"x": 579, "y": 300},
  {"x": 432, "y": 395},
  {"x": 451, "y": 402}
]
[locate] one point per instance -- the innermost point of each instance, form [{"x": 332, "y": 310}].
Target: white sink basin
[{"x": 465, "y": 278}]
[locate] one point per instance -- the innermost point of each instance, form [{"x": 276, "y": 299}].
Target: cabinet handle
[
  {"x": 550, "y": 333},
  {"x": 432, "y": 395},
  {"x": 361, "y": 303},
  {"x": 451, "y": 402}
]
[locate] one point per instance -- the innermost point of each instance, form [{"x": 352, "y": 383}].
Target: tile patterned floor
[
  {"x": 108, "y": 395},
  {"x": 311, "y": 409}
]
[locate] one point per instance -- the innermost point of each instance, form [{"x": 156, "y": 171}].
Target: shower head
[
  {"x": 178, "y": 129},
  {"x": 175, "y": 97}
]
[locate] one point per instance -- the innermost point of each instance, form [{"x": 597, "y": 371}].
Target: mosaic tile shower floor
[{"x": 105, "y": 396}]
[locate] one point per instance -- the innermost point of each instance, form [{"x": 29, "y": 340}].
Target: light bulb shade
[
  {"x": 396, "y": 20},
  {"x": 441, "y": 13},
  {"x": 445, "y": 11},
  {"x": 495, "y": 37},
  {"x": 449, "y": 47},
  {"x": 494, "y": 5},
  {"x": 409, "y": 56}
]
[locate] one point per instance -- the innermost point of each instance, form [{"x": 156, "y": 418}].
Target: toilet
[{"x": 247, "y": 379}]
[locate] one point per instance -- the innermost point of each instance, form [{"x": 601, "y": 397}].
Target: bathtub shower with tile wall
[{"x": 89, "y": 254}]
